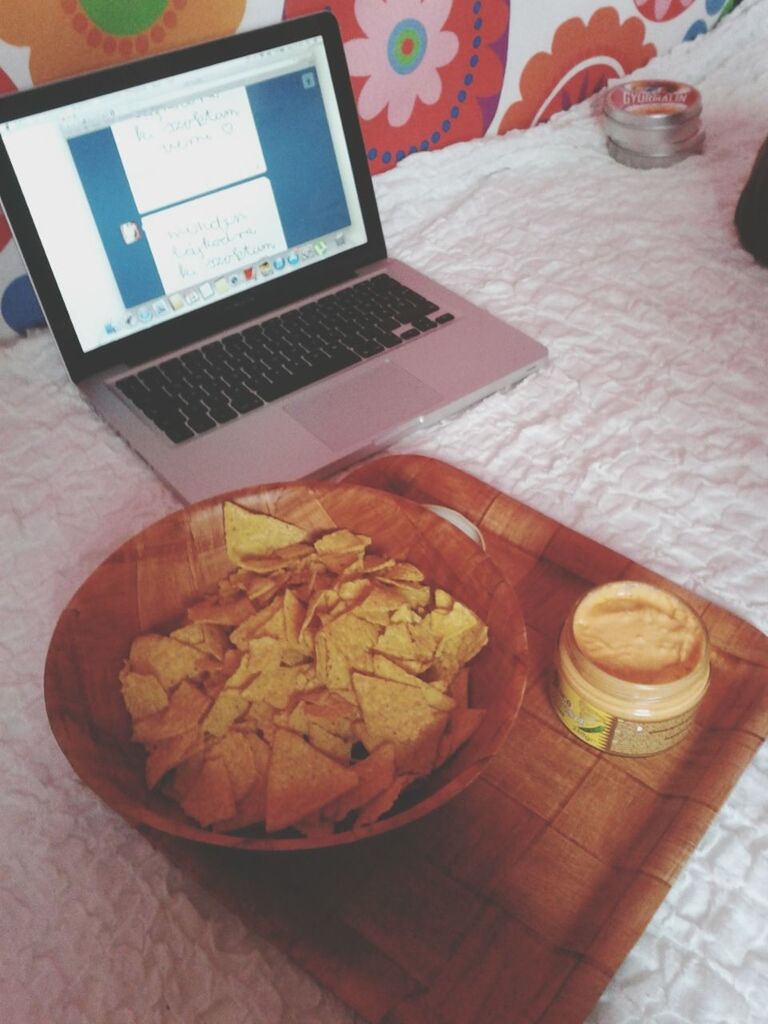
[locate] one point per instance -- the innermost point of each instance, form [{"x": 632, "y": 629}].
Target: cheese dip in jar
[{"x": 632, "y": 668}]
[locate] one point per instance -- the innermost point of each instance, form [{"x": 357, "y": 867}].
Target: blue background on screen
[{"x": 301, "y": 166}]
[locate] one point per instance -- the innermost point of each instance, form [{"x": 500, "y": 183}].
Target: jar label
[
  {"x": 643, "y": 738},
  {"x": 640, "y": 98},
  {"x": 583, "y": 719},
  {"x": 611, "y": 734}
]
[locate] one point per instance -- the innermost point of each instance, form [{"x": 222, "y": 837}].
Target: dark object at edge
[{"x": 751, "y": 216}]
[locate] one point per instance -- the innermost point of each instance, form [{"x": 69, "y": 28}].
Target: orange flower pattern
[
  {"x": 582, "y": 60},
  {"x": 425, "y": 72}
]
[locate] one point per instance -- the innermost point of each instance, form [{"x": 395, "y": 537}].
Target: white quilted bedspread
[{"x": 646, "y": 430}]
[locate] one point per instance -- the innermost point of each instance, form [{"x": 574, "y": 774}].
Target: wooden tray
[{"x": 517, "y": 901}]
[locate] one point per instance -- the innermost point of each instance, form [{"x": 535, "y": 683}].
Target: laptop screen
[{"x": 188, "y": 190}]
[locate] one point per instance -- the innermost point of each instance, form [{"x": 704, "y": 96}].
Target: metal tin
[
  {"x": 645, "y": 161},
  {"x": 652, "y": 123},
  {"x": 655, "y": 140}
]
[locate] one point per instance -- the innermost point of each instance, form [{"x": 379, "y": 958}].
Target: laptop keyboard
[{"x": 192, "y": 393}]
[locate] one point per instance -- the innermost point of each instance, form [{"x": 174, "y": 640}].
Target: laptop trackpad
[{"x": 363, "y": 406}]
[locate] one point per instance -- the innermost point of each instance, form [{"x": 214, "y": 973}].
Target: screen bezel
[{"x": 230, "y": 311}]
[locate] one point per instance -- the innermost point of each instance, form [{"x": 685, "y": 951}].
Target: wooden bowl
[{"x": 147, "y": 583}]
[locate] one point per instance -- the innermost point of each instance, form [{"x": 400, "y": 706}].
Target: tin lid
[{"x": 655, "y": 102}]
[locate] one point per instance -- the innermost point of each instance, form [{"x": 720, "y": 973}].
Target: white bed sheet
[{"x": 645, "y": 430}]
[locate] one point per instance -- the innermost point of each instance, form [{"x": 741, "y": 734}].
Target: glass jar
[{"x": 633, "y": 665}]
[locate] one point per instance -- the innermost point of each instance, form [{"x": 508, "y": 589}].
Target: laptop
[{"x": 202, "y": 233}]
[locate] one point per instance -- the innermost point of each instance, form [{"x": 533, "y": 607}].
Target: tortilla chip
[
  {"x": 341, "y": 541},
  {"x": 330, "y": 744},
  {"x": 178, "y": 784},
  {"x": 251, "y": 807},
  {"x": 214, "y": 682},
  {"x": 294, "y": 718},
  {"x": 361, "y": 734},
  {"x": 375, "y": 774},
  {"x": 186, "y": 706},
  {"x": 461, "y": 635},
  {"x": 409, "y": 644},
  {"x": 235, "y": 750},
  {"x": 293, "y": 619},
  {"x": 415, "y": 595},
  {"x": 322, "y": 601},
  {"x": 405, "y": 571},
  {"x": 420, "y": 757},
  {"x": 290, "y": 655},
  {"x": 315, "y": 825},
  {"x": 331, "y": 664},
  {"x": 170, "y": 753},
  {"x": 398, "y": 713},
  {"x": 389, "y": 669},
  {"x": 260, "y": 716},
  {"x": 378, "y": 605},
  {"x": 267, "y": 621},
  {"x": 445, "y": 620},
  {"x": 293, "y": 564},
  {"x": 432, "y": 692},
  {"x": 456, "y": 650},
  {"x": 384, "y": 802},
  {"x": 168, "y": 660},
  {"x": 354, "y": 637},
  {"x": 301, "y": 780},
  {"x": 242, "y": 674},
  {"x": 374, "y": 564},
  {"x": 209, "y": 796},
  {"x": 341, "y": 550},
  {"x": 205, "y": 636},
  {"x": 276, "y": 686},
  {"x": 332, "y": 706},
  {"x": 261, "y": 589},
  {"x": 248, "y": 534},
  {"x": 226, "y": 709},
  {"x": 143, "y": 695},
  {"x": 191, "y": 634}
]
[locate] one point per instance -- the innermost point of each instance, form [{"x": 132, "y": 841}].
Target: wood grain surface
[{"x": 516, "y": 902}]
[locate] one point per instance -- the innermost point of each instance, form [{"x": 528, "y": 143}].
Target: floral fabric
[{"x": 426, "y": 73}]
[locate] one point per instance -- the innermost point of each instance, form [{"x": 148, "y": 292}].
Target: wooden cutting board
[{"x": 518, "y": 900}]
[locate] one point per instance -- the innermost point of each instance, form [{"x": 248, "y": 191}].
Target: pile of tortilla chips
[{"x": 309, "y": 690}]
